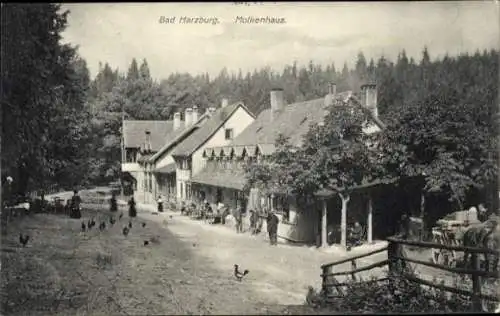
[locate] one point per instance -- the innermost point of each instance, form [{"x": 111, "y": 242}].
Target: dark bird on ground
[
  {"x": 111, "y": 220},
  {"x": 129, "y": 224},
  {"x": 146, "y": 242},
  {"x": 125, "y": 231},
  {"x": 120, "y": 217},
  {"x": 143, "y": 224},
  {"x": 239, "y": 276},
  {"x": 102, "y": 226},
  {"x": 83, "y": 227},
  {"x": 23, "y": 239}
]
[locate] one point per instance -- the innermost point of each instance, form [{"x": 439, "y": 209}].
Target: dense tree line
[{"x": 441, "y": 134}]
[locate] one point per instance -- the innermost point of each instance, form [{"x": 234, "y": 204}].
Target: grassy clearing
[{"x": 64, "y": 271}]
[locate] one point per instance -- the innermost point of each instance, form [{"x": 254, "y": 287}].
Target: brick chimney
[
  {"x": 188, "y": 117},
  {"x": 195, "y": 115},
  {"x": 369, "y": 97},
  {"x": 177, "y": 120},
  {"x": 277, "y": 101},
  {"x": 224, "y": 103},
  {"x": 147, "y": 143}
]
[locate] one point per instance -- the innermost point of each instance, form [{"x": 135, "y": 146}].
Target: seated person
[{"x": 355, "y": 234}]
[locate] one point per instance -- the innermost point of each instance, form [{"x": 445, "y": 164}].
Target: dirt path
[{"x": 279, "y": 275}]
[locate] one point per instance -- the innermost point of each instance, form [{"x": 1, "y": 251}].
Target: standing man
[
  {"x": 272, "y": 228},
  {"x": 160, "y": 204},
  {"x": 238, "y": 217}
]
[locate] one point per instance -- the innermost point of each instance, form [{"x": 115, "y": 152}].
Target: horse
[{"x": 484, "y": 235}]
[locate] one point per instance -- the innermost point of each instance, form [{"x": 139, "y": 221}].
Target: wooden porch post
[
  {"x": 370, "y": 220},
  {"x": 324, "y": 221},
  {"x": 343, "y": 220}
]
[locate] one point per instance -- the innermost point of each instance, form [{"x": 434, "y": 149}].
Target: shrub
[{"x": 396, "y": 295}]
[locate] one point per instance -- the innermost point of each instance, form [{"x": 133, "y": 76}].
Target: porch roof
[
  {"x": 224, "y": 178},
  {"x": 325, "y": 193},
  {"x": 170, "y": 168}
]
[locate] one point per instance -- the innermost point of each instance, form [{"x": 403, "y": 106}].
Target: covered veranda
[{"x": 357, "y": 199}]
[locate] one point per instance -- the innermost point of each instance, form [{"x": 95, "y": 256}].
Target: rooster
[
  {"x": 125, "y": 231},
  {"x": 83, "y": 227},
  {"x": 23, "y": 239},
  {"x": 239, "y": 276}
]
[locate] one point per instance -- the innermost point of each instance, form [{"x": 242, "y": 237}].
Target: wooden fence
[{"x": 398, "y": 265}]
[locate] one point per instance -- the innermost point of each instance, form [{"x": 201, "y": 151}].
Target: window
[{"x": 229, "y": 133}]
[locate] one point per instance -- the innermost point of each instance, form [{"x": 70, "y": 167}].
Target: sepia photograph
[{"x": 250, "y": 158}]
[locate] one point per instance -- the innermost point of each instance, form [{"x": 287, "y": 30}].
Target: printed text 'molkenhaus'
[{"x": 259, "y": 20}]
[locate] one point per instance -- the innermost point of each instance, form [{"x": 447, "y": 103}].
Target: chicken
[
  {"x": 102, "y": 226},
  {"x": 83, "y": 227},
  {"x": 129, "y": 224},
  {"x": 111, "y": 220},
  {"x": 23, "y": 239},
  {"x": 239, "y": 276},
  {"x": 143, "y": 224},
  {"x": 125, "y": 231},
  {"x": 120, "y": 217},
  {"x": 146, "y": 242}
]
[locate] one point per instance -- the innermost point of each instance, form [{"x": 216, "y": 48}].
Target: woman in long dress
[{"x": 132, "y": 212}]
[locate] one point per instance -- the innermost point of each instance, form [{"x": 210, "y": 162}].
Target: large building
[
  {"x": 224, "y": 177},
  {"x": 161, "y": 156},
  {"x": 139, "y": 140}
]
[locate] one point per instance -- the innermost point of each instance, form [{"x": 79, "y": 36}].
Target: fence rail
[{"x": 398, "y": 265}]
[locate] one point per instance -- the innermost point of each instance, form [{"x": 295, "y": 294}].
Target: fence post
[
  {"x": 324, "y": 288},
  {"x": 353, "y": 267},
  {"x": 476, "y": 283}
]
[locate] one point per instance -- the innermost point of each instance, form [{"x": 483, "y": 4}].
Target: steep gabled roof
[
  {"x": 134, "y": 133},
  {"x": 178, "y": 136},
  {"x": 292, "y": 121},
  {"x": 205, "y": 131}
]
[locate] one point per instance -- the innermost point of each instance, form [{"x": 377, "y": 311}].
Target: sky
[{"x": 322, "y": 32}]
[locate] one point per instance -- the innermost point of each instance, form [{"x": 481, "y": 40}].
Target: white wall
[
  {"x": 166, "y": 160},
  {"x": 238, "y": 122}
]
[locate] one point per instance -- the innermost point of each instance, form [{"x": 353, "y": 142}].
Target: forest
[{"x": 63, "y": 127}]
